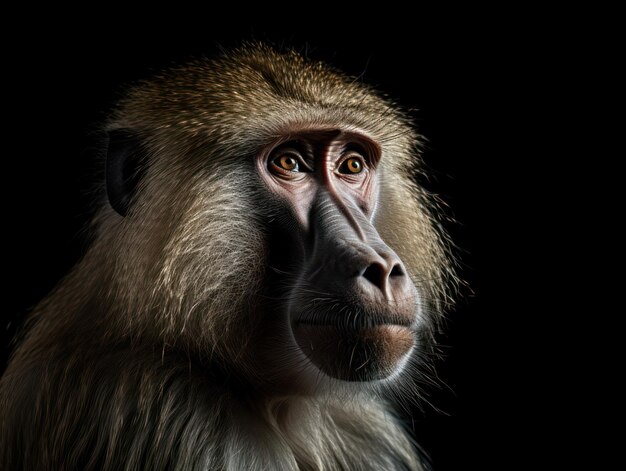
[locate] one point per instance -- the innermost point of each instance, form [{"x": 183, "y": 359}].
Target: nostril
[
  {"x": 379, "y": 275},
  {"x": 374, "y": 274},
  {"x": 396, "y": 271}
]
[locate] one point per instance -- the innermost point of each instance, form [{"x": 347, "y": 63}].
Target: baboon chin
[{"x": 260, "y": 225}]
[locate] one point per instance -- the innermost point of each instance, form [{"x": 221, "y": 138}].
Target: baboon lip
[
  {"x": 361, "y": 354},
  {"x": 352, "y": 327},
  {"x": 353, "y": 324}
]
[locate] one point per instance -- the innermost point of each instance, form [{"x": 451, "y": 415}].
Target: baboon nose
[{"x": 386, "y": 275}]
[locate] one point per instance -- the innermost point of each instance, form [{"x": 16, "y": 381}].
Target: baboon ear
[{"x": 126, "y": 159}]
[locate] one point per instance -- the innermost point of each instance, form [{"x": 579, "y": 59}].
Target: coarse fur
[{"x": 117, "y": 369}]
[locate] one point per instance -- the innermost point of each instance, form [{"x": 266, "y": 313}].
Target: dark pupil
[{"x": 289, "y": 162}]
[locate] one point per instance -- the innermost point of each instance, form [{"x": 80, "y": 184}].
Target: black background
[{"x": 488, "y": 95}]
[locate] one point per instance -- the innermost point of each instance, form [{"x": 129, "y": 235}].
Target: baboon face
[
  {"x": 352, "y": 308},
  {"x": 276, "y": 222}
]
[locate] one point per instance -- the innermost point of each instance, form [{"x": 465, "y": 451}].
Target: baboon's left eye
[{"x": 352, "y": 165}]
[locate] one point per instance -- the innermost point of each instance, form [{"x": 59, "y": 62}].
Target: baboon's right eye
[{"x": 285, "y": 162}]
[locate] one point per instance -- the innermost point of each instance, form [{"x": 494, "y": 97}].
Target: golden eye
[
  {"x": 352, "y": 165},
  {"x": 287, "y": 162}
]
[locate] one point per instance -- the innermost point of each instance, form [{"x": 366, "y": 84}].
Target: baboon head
[{"x": 263, "y": 211}]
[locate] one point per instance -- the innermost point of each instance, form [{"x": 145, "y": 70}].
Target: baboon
[{"x": 264, "y": 280}]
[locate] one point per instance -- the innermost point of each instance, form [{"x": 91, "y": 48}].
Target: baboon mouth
[
  {"x": 359, "y": 325},
  {"x": 353, "y": 322},
  {"x": 355, "y": 353}
]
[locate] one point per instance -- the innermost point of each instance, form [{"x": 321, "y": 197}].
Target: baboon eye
[
  {"x": 352, "y": 165},
  {"x": 287, "y": 161}
]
